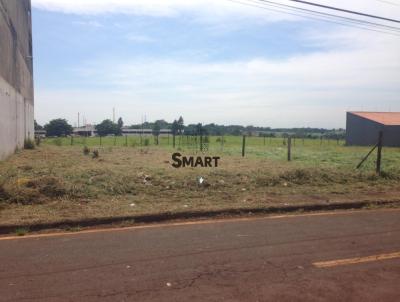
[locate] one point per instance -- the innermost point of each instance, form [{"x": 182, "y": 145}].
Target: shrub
[
  {"x": 29, "y": 144},
  {"x": 95, "y": 154},
  {"x": 21, "y": 231},
  {"x": 146, "y": 142},
  {"x": 86, "y": 150}
]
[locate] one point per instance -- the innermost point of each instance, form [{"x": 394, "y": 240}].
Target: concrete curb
[{"x": 162, "y": 217}]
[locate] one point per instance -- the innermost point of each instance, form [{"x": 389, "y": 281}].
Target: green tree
[
  {"x": 156, "y": 130},
  {"x": 181, "y": 125},
  {"x": 58, "y": 127},
  {"x": 175, "y": 127},
  {"x": 199, "y": 129},
  {"x": 120, "y": 124},
  {"x": 107, "y": 127}
]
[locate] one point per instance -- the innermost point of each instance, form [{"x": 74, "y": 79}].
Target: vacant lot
[{"x": 56, "y": 182}]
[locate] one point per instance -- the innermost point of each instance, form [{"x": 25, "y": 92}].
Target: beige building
[{"x": 16, "y": 75}]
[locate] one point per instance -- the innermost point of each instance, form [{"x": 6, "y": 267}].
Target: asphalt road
[{"x": 352, "y": 256}]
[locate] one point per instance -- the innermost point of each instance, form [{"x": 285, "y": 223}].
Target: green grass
[
  {"x": 57, "y": 181},
  {"x": 21, "y": 232},
  {"x": 310, "y": 152}
]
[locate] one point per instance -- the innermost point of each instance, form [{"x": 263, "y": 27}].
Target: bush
[
  {"x": 146, "y": 142},
  {"x": 86, "y": 150},
  {"x": 29, "y": 144},
  {"x": 95, "y": 154}
]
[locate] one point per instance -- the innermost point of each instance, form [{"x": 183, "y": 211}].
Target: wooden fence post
[
  {"x": 244, "y": 146},
  {"x": 379, "y": 158},
  {"x": 289, "y": 148}
]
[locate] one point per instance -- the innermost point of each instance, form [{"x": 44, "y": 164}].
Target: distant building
[
  {"x": 16, "y": 75},
  {"x": 128, "y": 131},
  {"x": 40, "y": 133},
  {"x": 363, "y": 128},
  {"x": 88, "y": 130}
]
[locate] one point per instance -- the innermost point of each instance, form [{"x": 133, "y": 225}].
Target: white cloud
[
  {"x": 90, "y": 23},
  {"x": 140, "y": 38},
  {"x": 205, "y": 7},
  {"x": 361, "y": 72}
]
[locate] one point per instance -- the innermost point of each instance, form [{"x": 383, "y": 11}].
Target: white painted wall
[
  {"x": 16, "y": 120},
  {"x": 16, "y": 70}
]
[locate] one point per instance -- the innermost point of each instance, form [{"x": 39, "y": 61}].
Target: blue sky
[{"x": 209, "y": 61}]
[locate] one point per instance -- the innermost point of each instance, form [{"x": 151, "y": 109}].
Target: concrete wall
[
  {"x": 16, "y": 75},
  {"x": 363, "y": 132}
]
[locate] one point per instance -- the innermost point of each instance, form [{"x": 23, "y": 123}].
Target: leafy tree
[
  {"x": 199, "y": 129},
  {"x": 175, "y": 127},
  {"x": 58, "y": 127},
  {"x": 120, "y": 124},
  {"x": 163, "y": 124},
  {"x": 107, "y": 127},
  {"x": 181, "y": 125},
  {"x": 37, "y": 126},
  {"x": 156, "y": 130}
]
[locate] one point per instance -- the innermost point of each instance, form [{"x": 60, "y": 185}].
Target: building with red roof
[{"x": 362, "y": 128}]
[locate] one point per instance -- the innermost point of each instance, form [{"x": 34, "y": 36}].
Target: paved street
[{"x": 347, "y": 256}]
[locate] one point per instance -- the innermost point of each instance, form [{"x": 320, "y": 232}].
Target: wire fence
[{"x": 316, "y": 152}]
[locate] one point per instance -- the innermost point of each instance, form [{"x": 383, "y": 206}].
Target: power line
[
  {"x": 389, "y": 2},
  {"x": 313, "y": 12},
  {"x": 291, "y": 10},
  {"x": 346, "y": 10}
]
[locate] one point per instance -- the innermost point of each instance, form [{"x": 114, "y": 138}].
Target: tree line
[{"x": 61, "y": 127}]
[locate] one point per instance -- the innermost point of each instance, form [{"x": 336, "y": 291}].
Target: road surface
[{"x": 341, "y": 256}]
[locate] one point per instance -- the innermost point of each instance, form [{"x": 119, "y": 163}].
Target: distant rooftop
[{"x": 384, "y": 118}]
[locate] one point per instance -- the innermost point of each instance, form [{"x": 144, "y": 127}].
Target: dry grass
[{"x": 54, "y": 183}]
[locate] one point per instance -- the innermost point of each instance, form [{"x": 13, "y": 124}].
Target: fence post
[
  {"x": 126, "y": 140},
  {"x": 379, "y": 158},
  {"x": 72, "y": 140},
  {"x": 201, "y": 143},
  {"x": 173, "y": 141},
  {"x": 244, "y": 146},
  {"x": 289, "y": 148}
]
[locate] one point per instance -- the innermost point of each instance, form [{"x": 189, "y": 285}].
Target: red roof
[{"x": 385, "y": 118}]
